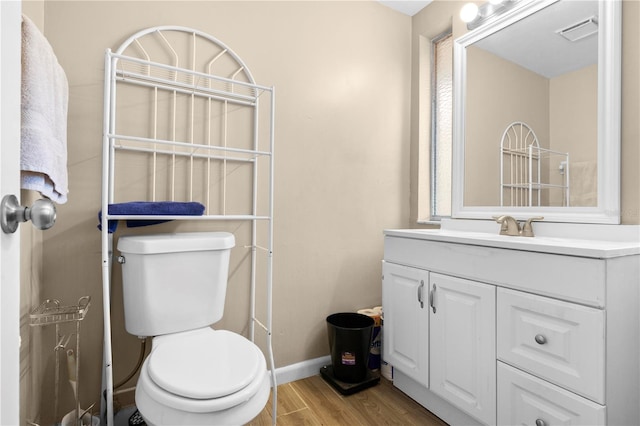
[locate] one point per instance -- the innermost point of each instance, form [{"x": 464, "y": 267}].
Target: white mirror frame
[{"x": 609, "y": 112}]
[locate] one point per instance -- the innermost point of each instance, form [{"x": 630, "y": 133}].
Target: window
[{"x": 441, "y": 124}]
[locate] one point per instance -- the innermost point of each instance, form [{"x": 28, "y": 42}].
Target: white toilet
[{"x": 174, "y": 288}]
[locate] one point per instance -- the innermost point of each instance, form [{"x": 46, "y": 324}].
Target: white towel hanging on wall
[{"x": 45, "y": 97}]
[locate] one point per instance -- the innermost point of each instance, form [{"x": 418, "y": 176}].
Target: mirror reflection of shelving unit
[
  {"x": 50, "y": 312},
  {"x": 526, "y": 170}
]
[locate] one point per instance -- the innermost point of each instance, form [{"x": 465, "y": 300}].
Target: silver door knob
[{"x": 42, "y": 214}]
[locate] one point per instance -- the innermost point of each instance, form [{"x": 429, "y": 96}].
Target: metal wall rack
[
  {"x": 50, "y": 312},
  {"x": 182, "y": 118}
]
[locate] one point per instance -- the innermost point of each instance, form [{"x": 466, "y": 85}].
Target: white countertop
[{"x": 623, "y": 241}]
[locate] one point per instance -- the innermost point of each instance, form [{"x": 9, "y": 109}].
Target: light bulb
[{"x": 469, "y": 12}]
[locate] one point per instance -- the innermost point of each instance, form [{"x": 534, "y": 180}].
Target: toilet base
[
  {"x": 371, "y": 379},
  {"x": 136, "y": 419}
]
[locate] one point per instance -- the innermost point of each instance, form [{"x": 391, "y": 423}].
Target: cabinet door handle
[
  {"x": 432, "y": 294},
  {"x": 540, "y": 339},
  {"x": 540, "y": 422},
  {"x": 420, "y": 296}
]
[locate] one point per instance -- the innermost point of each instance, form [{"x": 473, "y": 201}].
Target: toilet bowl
[{"x": 202, "y": 377}]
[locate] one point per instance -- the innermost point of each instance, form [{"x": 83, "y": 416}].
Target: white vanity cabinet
[
  {"x": 514, "y": 331},
  {"x": 456, "y": 317}
]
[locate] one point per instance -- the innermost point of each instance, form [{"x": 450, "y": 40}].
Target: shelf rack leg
[
  {"x": 56, "y": 391},
  {"x": 107, "y": 372},
  {"x": 77, "y": 366},
  {"x": 270, "y": 254},
  {"x": 106, "y": 395}
]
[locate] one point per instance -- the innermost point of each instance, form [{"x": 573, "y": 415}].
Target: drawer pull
[
  {"x": 540, "y": 422},
  {"x": 541, "y": 340}
]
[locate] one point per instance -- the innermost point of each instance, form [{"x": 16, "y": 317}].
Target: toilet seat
[
  {"x": 203, "y": 370},
  {"x": 204, "y": 364}
]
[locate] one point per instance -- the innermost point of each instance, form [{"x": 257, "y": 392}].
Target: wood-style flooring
[{"x": 312, "y": 401}]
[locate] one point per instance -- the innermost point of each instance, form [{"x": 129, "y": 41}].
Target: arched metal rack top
[
  {"x": 522, "y": 176},
  {"x": 187, "y": 110},
  {"x": 138, "y": 39}
]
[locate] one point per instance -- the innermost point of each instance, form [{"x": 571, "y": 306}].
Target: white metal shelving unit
[
  {"x": 183, "y": 118},
  {"x": 521, "y": 168}
]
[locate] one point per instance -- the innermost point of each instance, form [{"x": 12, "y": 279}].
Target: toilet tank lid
[{"x": 177, "y": 242}]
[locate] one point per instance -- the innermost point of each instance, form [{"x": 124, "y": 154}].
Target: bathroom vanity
[{"x": 483, "y": 328}]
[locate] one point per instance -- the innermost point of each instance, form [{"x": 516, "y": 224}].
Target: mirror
[{"x": 537, "y": 114}]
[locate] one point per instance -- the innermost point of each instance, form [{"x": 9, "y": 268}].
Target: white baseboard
[{"x": 301, "y": 370}]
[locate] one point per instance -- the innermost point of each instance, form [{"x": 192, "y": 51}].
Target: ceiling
[
  {"x": 533, "y": 43},
  {"x": 408, "y": 7}
]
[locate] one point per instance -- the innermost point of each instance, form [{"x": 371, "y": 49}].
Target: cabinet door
[
  {"x": 406, "y": 320},
  {"x": 462, "y": 345}
]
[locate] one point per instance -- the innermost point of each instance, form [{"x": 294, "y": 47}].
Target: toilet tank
[{"x": 174, "y": 282}]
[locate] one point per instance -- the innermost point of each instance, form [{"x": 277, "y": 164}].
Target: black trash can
[{"x": 349, "y": 343}]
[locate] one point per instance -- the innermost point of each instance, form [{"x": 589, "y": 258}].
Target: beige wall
[
  {"x": 342, "y": 75},
  {"x": 562, "y": 111},
  {"x": 574, "y": 100},
  {"x": 442, "y": 13},
  {"x": 630, "y": 155},
  {"x": 573, "y": 112},
  {"x": 491, "y": 107}
]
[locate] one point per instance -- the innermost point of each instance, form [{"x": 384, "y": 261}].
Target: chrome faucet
[{"x": 510, "y": 226}]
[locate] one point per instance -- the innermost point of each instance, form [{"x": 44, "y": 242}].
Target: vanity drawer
[
  {"x": 527, "y": 400},
  {"x": 561, "y": 342}
]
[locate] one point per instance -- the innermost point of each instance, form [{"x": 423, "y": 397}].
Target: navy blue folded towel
[{"x": 157, "y": 208}]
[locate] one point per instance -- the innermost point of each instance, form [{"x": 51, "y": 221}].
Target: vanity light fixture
[
  {"x": 474, "y": 16},
  {"x": 469, "y": 12}
]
